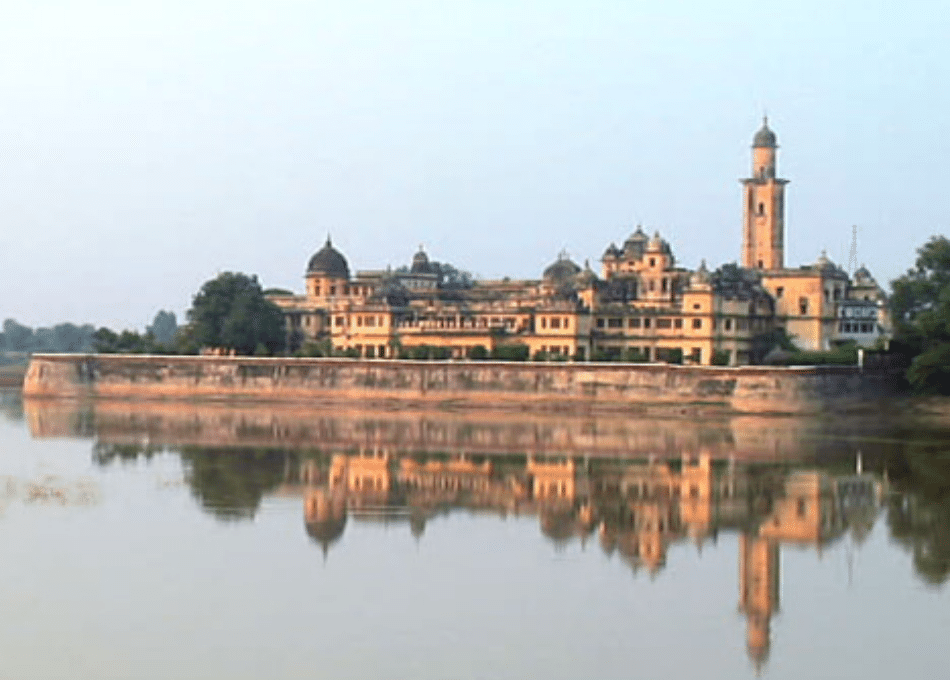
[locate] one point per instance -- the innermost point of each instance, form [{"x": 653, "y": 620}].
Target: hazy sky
[{"x": 146, "y": 146}]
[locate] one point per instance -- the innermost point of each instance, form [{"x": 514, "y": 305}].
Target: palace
[{"x": 641, "y": 306}]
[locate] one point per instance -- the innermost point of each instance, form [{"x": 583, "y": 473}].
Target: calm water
[{"x": 156, "y": 541}]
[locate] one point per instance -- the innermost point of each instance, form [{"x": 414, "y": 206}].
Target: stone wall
[{"x": 627, "y": 388}]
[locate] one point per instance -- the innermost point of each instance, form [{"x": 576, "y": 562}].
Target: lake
[{"x": 156, "y": 540}]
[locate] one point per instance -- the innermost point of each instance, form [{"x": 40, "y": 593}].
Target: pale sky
[{"x": 147, "y": 146}]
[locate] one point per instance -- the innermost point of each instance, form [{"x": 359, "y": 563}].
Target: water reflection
[
  {"x": 802, "y": 483},
  {"x": 638, "y": 510}
]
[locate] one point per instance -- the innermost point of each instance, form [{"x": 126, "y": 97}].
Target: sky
[{"x": 147, "y": 146}]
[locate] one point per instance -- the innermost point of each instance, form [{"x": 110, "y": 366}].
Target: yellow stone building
[{"x": 641, "y": 306}]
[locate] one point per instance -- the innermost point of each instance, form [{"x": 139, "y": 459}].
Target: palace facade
[{"x": 640, "y": 306}]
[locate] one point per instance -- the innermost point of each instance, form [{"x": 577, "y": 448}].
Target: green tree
[
  {"x": 920, "y": 307},
  {"x": 17, "y": 337},
  {"x": 163, "y": 327},
  {"x": 231, "y": 311}
]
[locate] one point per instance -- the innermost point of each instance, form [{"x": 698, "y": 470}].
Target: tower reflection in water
[{"x": 637, "y": 509}]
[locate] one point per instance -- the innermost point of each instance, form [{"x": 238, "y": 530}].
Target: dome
[
  {"x": 700, "y": 276},
  {"x": 330, "y": 262},
  {"x": 825, "y": 265},
  {"x": 612, "y": 252},
  {"x": 587, "y": 277},
  {"x": 765, "y": 137},
  {"x": 421, "y": 263},
  {"x": 562, "y": 269},
  {"x": 657, "y": 244},
  {"x": 862, "y": 275}
]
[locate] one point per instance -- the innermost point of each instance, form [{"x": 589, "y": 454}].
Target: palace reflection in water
[
  {"x": 684, "y": 482},
  {"x": 635, "y": 509}
]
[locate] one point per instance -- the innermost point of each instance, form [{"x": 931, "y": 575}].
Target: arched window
[{"x": 761, "y": 208}]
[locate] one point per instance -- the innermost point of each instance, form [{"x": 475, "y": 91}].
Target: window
[
  {"x": 803, "y": 306},
  {"x": 664, "y": 323},
  {"x": 332, "y": 290},
  {"x": 665, "y": 285},
  {"x": 779, "y": 292},
  {"x": 544, "y": 322},
  {"x": 634, "y": 323},
  {"x": 600, "y": 323},
  {"x": 339, "y": 321},
  {"x": 652, "y": 285},
  {"x": 677, "y": 323},
  {"x": 761, "y": 208},
  {"x": 646, "y": 323},
  {"x": 697, "y": 306},
  {"x": 728, "y": 324},
  {"x": 696, "y": 355},
  {"x": 614, "y": 323},
  {"x": 567, "y": 322},
  {"x": 697, "y": 323},
  {"x": 652, "y": 261},
  {"x": 556, "y": 322}
]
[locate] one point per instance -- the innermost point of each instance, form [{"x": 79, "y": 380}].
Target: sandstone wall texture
[{"x": 633, "y": 389}]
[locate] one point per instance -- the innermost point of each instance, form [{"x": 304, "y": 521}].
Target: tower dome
[
  {"x": 765, "y": 138},
  {"x": 329, "y": 262}
]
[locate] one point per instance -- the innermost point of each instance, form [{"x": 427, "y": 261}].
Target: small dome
[
  {"x": 824, "y": 264},
  {"x": 863, "y": 275},
  {"x": 330, "y": 262},
  {"x": 612, "y": 252},
  {"x": 765, "y": 138},
  {"x": 421, "y": 263},
  {"x": 587, "y": 277},
  {"x": 562, "y": 269},
  {"x": 700, "y": 277},
  {"x": 634, "y": 246},
  {"x": 657, "y": 244}
]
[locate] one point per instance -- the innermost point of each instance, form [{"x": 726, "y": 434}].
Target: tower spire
[{"x": 763, "y": 228}]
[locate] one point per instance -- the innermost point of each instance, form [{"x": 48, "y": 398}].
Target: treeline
[{"x": 18, "y": 340}]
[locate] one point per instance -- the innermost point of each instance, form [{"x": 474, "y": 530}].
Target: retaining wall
[{"x": 629, "y": 388}]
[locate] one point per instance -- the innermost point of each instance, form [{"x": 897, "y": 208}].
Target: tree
[
  {"x": 920, "y": 307},
  {"x": 231, "y": 311},
  {"x": 17, "y": 338},
  {"x": 163, "y": 327}
]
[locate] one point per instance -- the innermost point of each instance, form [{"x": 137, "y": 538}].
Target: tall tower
[{"x": 763, "y": 222}]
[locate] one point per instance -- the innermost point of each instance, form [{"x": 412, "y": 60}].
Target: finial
[{"x": 329, "y": 243}]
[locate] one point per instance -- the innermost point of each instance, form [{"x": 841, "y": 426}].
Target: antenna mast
[{"x": 853, "y": 258}]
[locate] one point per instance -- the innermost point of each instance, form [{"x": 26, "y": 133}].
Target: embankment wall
[{"x": 635, "y": 389}]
